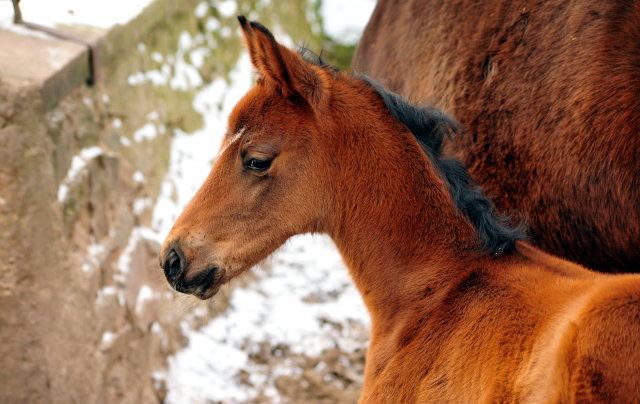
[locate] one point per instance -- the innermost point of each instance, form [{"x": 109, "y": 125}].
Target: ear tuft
[
  {"x": 295, "y": 77},
  {"x": 263, "y": 29}
]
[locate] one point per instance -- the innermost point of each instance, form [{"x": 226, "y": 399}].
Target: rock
[{"x": 74, "y": 327}]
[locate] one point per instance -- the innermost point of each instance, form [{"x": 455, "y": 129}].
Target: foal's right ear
[{"x": 291, "y": 74}]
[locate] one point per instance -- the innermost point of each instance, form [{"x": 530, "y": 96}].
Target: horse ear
[{"x": 287, "y": 69}]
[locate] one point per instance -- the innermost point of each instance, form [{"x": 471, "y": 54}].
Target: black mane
[
  {"x": 430, "y": 125},
  {"x": 316, "y": 59}
]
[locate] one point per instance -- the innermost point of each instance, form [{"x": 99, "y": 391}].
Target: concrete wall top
[{"x": 56, "y": 65}]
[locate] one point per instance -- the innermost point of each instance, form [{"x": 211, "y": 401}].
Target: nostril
[
  {"x": 174, "y": 262},
  {"x": 172, "y": 265}
]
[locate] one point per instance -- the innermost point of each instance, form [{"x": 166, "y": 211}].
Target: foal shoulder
[
  {"x": 590, "y": 351},
  {"x": 606, "y": 357}
]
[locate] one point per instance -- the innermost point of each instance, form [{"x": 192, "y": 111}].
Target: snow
[
  {"x": 275, "y": 309},
  {"x": 201, "y": 10},
  {"x": 345, "y": 20},
  {"x": 157, "y": 329},
  {"x": 184, "y": 41},
  {"x": 212, "y": 24},
  {"x": 91, "y": 152},
  {"x": 157, "y": 57},
  {"x": 194, "y": 378},
  {"x": 138, "y": 177},
  {"x": 148, "y": 131},
  {"x": 138, "y": 234},
  {"x": 145, "y": 294},
  {"x": 227, "y": 8},
  {"x": 106, "y": 291},
  {"x": 156, "y": 77},
  {"x": 78, "y": 163},
  {"x": 101, "y": 14},
  {"x": 95, "y": 255},
  {"x": 107, "y": 337},
  {"x": 141, "y": 204},
  {"x": 152, "y": 116},
  {"x": 63, "y": 189},
  {"x": 198, "y": 55},
  {"x": 185, "y": 75}
]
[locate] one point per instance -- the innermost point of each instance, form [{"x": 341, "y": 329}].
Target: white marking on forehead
[{"x": 233, "y": 140}]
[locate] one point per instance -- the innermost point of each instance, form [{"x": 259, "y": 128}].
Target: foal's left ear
[{"x": 292, "y": 75}]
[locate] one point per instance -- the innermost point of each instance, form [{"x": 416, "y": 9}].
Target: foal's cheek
[{"x": 260, "y": 191}]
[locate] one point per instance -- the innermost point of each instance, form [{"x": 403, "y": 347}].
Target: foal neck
[{"x": 395, "y": 223}]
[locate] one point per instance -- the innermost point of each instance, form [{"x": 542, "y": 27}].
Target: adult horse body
[
  {"x": 549, "y": 92},
  {"x": 462, "y": 311}
]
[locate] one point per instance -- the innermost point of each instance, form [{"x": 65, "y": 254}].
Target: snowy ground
[
  {"x": 303, "y": 306},
  {"x": 298, "y": 330}
]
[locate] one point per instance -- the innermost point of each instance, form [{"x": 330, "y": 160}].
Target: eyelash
[{"x": 257, "y": 165}]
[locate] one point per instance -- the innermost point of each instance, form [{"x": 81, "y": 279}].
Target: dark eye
[{"x": 258, "y": 165}]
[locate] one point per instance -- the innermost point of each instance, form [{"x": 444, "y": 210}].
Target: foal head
[
  {"x": 267, "y": 180},
  {"x": 309, "y": 149}
]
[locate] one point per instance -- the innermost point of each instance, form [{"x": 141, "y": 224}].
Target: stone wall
[{"x": 85, "y": 313}]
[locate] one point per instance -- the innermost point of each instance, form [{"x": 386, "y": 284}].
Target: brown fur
[
  {"x": 448, "y": 325},
  {"x": 549, "y": 92}
]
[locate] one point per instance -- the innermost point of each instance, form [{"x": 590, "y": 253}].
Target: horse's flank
[
  {"x": 549, "y": 92},
  {"x": 533, "y": 329},
  {"x": 322, "y": 151}
]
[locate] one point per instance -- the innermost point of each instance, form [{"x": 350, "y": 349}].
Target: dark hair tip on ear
[
  {"x": 243, "y": 21},
  {"x": 262, "y": 29}
]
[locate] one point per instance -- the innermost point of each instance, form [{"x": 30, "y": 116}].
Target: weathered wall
[{"x": 85, "y": 315}]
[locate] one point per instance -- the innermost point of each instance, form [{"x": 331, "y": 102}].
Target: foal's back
[
  {"x": 550, "y": 95},
  {"x": 528, "y": 328},
  {"x": 587, "y": 348}
]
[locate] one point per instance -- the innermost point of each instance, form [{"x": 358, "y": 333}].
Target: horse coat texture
[
  {"x": 549, "y": 92},
  {"x": 462, "y": 309}
]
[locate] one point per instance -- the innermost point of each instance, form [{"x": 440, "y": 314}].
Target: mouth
[
  {"x": 209, "y": 286},
  {"x": 204, "y": 285}
]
